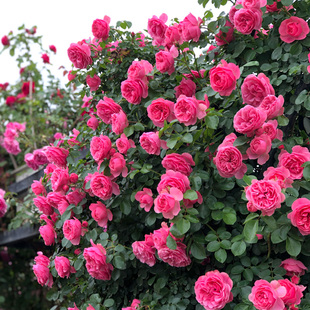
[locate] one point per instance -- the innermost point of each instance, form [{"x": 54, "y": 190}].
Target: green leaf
[
  {"x": 171, "y": 243},
  {"x": 250, "y": 230},
  {"x": 250, "y": 217},
  {"x": 238, "y": 248},
  {"x": 190, "y": 194},
  {"x": 276, "y": 54},
  {"x": 125, "y": 206},
  {"x": 119, "y": 262},
  {"x": 252, "y": 63},
  {"x": 221, "y": 255},
  {"x": 138, "y": 127},
  {"x": 282, "y": 120},
  {"x": 296, "y": 49},
  {"x": 78, "y": 264},
  {"x": 301, "y": 97},
  {"x": 287, "y": 2},
  {"x": 265, "y": 67},
  {"x": 213, "y": 246},
  {"x": 183, "y": 225},
  {"x": 128, "y": 131},
  {"x": 172, "y": 142},
  {"x": 241, "y": 141},
  {"x": 212, "y": 121},
  {"x": 198, "y": 251},
  {"x": 306, "y": 173},
  {"x": 187, "y": 138},
  {"x": 229, "y": 218},
  {"x": 293, "y": 247},
  {"x": 108, "y": 302},
  {"x": 196, "y": 181}
]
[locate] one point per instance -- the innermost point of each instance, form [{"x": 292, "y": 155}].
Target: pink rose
[
  {"x": 174, "y": 258},
  {"x": 40, "y": 157},
  {"x": 228, "y": 161},
  {"x": 119, "y": 122},
  {"x": 79, "y": 54},
  {"x": 100, "y": 148},
  {"x": 293, "y": 28},
  {"x": 75, "y": 307},
  {"x": 223, "y": 77},
  {"x": 223, "y": 38},
  {"x": 52, "y": 48},
  {"x": 173, "y": 35},
  {"x": 134, "y": 305},
  {"x": 293, "y": 267},
  {"x": 164, "y": 62},
  {"x": 30, "y": 162},
  {"x": 273, "y": 106},
  {"x": 213, "y": 290},
  {"x": 76, "y": 196},
  {"x": 100, "y": 213},
  {"x": 173, "y": 179},
  {"x": 117, "y": 165},
  {"x": 45, "y": 58},
  {"x": 186, "y": 110},
  {"x": 187, "y": 88},
  {"x": 43, "y": 275},
  {"x": 300, "y": 215},
  {"x": 264, "y": 195},
  {"x": 47, "y": 231},
  {"x": 255, "y": 88},
  {"x": 248, "y": 119},
  {"x": 293, "y": 292},
  {"x": 72, "y": 230},
  {"x": 11, "y": 146},
  {"x": 42, "y": 204},
  {"x": 168, "y": 203},
  {"x": 259, "y": 149},
  {"x": 134, "y": 90},
  {"x": 93, "y": 123},
  {"x": 100, "y": 28},
  {"x": 96, "y": 262},
  {"x": 105, "y": 109},
  {"x": 271, "y": 130},
  {"x": 281, "y": 175},
  {"x": 145, "y": 251},
  {"x": 58, "y": 201},
  {"x": 151, "y": 143},
  {"x": 145, "y": 199},
  {"x": 267, "y": 296},
  {"x": 191, "y": 28},
  {"x": 3, "y": 207},
  {"x": 10, "y": 100},
  {"x": 63, "y": 267},
  {"x": 5, "y": 41},
  {"x": 179, "y": 162},
  {"x": 38, "y": 188},
  {"x": 57, "y": 156},
  {"x": 103, "y": 187},
  {"x": 90, "y": 307},
  {"x": 60, "y": 180},
  {"x": 247, "y": 20},
  {"x": 139, "y": 70},
  {"x": 248, "y": 4},
  {"x": 156, "y": 27},
  {"x": 71, "y": 76},
  {"x": 93, "y": 82},
  {"x": 161, "y": 110},
  {"x": 123, "y": 144},
  {"x": 293, "y": 162}
]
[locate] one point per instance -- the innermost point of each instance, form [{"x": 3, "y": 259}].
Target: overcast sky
[{"x": 62, "y": 22}]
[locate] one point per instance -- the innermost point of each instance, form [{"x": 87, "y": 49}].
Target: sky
[{"x": 62, "y": 22}]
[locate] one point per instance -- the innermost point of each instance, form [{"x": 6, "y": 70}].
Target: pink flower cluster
[
  {"x": 186, "y": 30},
  {"x": 41, "y": 270},
  {"x": 36, "y": 159},
  {"x": 278, "y": 294},
  {"x": 136, "y": 86},
  {"x": 134, "y": 305},
  {"x": 11, "y": 133},
  {"x": 145, "y": 250},
  {"x": 3, "y": 206}
]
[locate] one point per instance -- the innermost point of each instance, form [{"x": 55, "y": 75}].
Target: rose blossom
[
  {"x": 134, "y": 90},
  {"x": 175, "y": 258},
  {"x": 100, "y": 28},
  {"x": 173, "y": 35},
  {"x": 63, "y": 267},
  {"x": 151, "y": 143},
  {"x": 134, "y": 305},
  {"x": 145, "y": 251},
  {"x": 47, "y": 231},
  {"x": 93, "y": 123},
  {"x": 267, "y": 296},
  {"x": 45, "y": 58},
  {"x": 273, "y": 106},
  {"x": 255, "y": 88},
  {"x": 96, "y": 263},
  {"x": 190, "y": 27},
  {"x": 293, "y": 292},
  {"x": 10, "y": 100},
  {"x": 156, "y": 28},
  {"x": 72, "y": 230},
  {"x": 43, "y": 275},
  {"x": 42, "y": 204},
  {"x": 117, "y": 165},
  {"x": 76, "y": 196},
  {"x": 300, "y": 215},
  {"x": 93, "y": 82},
  {"x": 100, "y": 213},
  {"x": 179, "y": 162},
  {"x": 145, "y": 199},
  {"x": 247, "y": 20},
  {"x": 11, "y": 146},
  {"x": 259, "y": 149},
  {"x": 100, "y": 148},
  {"x": 264, "y": 195},
  {"x": 59, "y": 180},
  {"x": 161, "y": 110},
  {"x": 248, "y": 4},
  {"x": 71, "y": 76},
  {"x": 105, "y": 109},
  {"x": 103, "y": 187},
  {"x": 271, "y": 130},
  {"x": 30, "y": 162},
  {"x": 75, "y": 307},
  {"x": 38, "y": 188},
  {"x": 58, "y": 201},
  {"x": 293, "y": 267},
  {"x": 223, "y": 38},
  {"x": 213, "y": 290},
  {"x": 79, "y": 54},
  {"x": 168, "y": 203},
  {"x": 281, "y": 175},
  {"x": 187, "y": 88},
  {"x": 3, "y": 206},
  {"x": 5, "y": 41},
  {"x": 293, "y": 28},
  {"x": 123, "y": 144},
  {"x": 139, "y": 70},
  {"x": 173, "y": 179},
  {"x": 119, "y": 122},
  {"x": 223, "y": 77},
  {"x": 165, "y": 60},
  {"x": 293, "y": 162},
  {"x": 57, "y": 156},
  {"x": 248, "y": 119}
]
